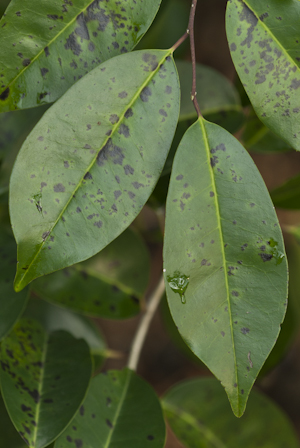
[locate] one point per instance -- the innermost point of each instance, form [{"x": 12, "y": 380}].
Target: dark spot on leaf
[
  {"x": 245, "y": 330},
  {"x": 128, "y": 169},
  {"x": 81, "y": 410},
  {"x": 114, "y": 119},
  {"x": 222, "y": 333},
  {"x": 47, "y": 53},
  {"x": 35, "y": 395},
  {"x": 266, "y": 257},
  {"x": 25, "y": 408},
  {"x": 48, "y": 400},
  {"x": 4, "y": 95},
  {"x": 235, "y": 293},
  {"x": 145, "y": 93},
  {"x": 26, "y": 62},
  {"x": 179, "y": 177},
  {"x": 124, "y": 130},
  {"x": 59, "y": 188},
  {"x": 123, "y": 94},
  {"x": 78, "y": 443},
  {"x": 88, "y": 176},
  {"x": 211, "y": 194},
  {"x": 109, "y": 423},
  {"x": 150, "y": 438},
  {"x": 263, "y": 16},
  {"x": 128, "y": 113},
  {"x": 233, "y": 47},
  {"x": 168, "y": 89},
  {"x": 98, "y": 224},
  {"x": 73, "y": 45}
]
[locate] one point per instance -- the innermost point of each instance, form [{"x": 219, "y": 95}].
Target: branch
[
  {"x": 144, "y": 325},
  {"x": 193, "y": 55}
]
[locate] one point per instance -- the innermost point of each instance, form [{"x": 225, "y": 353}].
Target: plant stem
[
  {"x": 190, "y": 32},
  {"x": 193, "y": 55},
  {"x": 144, "y": 325}
]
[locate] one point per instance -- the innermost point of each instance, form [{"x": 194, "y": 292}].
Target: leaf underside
[
  {"x": 264, "y": 43},
  {"x": 44, "y": 378},
  {"x": 120, "y": 410},
  {"x": 211, "y": 424},
  {"x": 46, "y": 48},
  {"x": 222, "y": 234},
  {"x": 81, "y": 178}
]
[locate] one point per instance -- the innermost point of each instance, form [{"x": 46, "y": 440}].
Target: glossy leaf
[
  {"x": 54, "y": 318},
  {"x": 120, "y": 409},
  {"x": 12, "y": 304},
  {"x": 108, "y": 285},
  {"x": 44, "y": 377},
  {"x": 218, "y": 99},
  {"x": 9, "y": 437},
  {"x": 91, "y": 173},
  {"x": 230, "y": 267},
  {"x": 287, "y": 195},
  {"x": 264, "y": 44},
  {"x": 48, "y": 47},
  {"x": 258, "y": 138},
  {"x": 199, "y": 415}
]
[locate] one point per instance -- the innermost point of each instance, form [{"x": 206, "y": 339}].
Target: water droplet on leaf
[{"x": 178, "y": 283}]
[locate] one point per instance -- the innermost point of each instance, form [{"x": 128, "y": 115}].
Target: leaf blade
[
  {"x": 32, "y": 377},
  {"x": 212, "y": 424},
  {"x": 109, "y": 155},
  {"x": 63, "y": 41},
  {"x": 224, "y": 254},
  {"x": 119, "y": 406},
  {"x": 265, "y": 52}
]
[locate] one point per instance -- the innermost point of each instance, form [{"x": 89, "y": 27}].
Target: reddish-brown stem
[
  {"x": 190, "y": 32},
  {"x": 193, "y": 55}
]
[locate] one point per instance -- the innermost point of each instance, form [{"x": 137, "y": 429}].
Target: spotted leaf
[
  {"x": 44, "y": 377},
  {"x": 91, "y": 163},
  {"x": 120, "y": 408},
  {"x": 222, "y": 234},
  {"x": 199, "y": 415},
  {"x": 47, "y": 47},
  {"x": 265, "y": 48},
  {"x": 11, "y": 303},
  {"x": 112, "y": 282}
]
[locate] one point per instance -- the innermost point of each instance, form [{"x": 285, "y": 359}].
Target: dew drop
[{"x": 178, "y": 283}]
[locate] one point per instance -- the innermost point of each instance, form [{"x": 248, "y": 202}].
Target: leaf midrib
[
  {"x": 218, "y": 216},
  {"x": 40, "y": 388},
  {"x": 114, "y": 129},
  {"x": 190, "y": 420},
  {"x": 118, "y": 411}
]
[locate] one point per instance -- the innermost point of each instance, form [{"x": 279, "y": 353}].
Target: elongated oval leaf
[
  {"x": 47, "y": 47},
  {"x": 288, "y": 195},
  {"x": 120, "y": 409},
  {"x": 224, "y": 255},
  {"x": 218, "y": 99},
  {"x": 91, "y": 163},
  {"x": 11, "y": 303},
  {"x": 199, "y": 415},
  {"x": 108, "y": 285},
  {"x": 264, "y": 46},
  {"x": 44, "y": 378}
]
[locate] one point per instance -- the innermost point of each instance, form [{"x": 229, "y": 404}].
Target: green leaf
[
  {"x": 108, "y": 285},
  {"x": 258, "y": 138},
  {"x": 287, "y": 195},
  {"x": 44, "y": 377},
  {"x": 218, "y": 99},
  {"x": 9, "y": 437},
  {"x": 12, "y": 304},
  {"x": 120, "y": 409},
  {"x": 229, "y": 270},
  {"x": 46, "y": 48},
  {"x": 199, "y": 415},
  {"x": 81, "y": 179},
  {"x": 54, "y": 318},
  {"x": 263, "y": 40}
]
